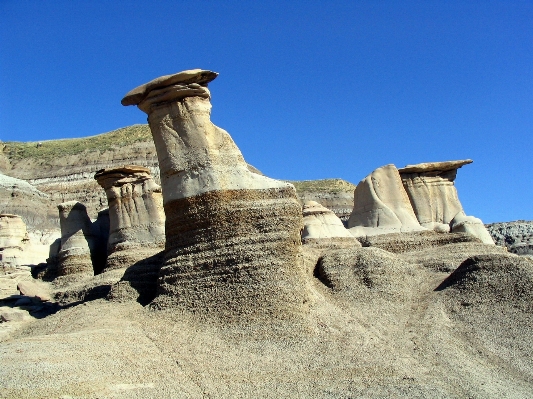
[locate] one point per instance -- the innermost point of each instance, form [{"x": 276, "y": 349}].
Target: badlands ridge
[{"x": 171, "y": 268}]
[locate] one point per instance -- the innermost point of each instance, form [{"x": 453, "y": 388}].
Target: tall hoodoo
[
  {"x": 232, "y": 236},
  {"x": 137, "y": 220}
]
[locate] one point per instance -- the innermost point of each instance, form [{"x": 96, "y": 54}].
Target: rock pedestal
[
  {"x": 137, "y": 221},
  {"x": 80, "y": 244},
  {"x": 232, "y": 236},
  {"x": 431, "y": 190}
]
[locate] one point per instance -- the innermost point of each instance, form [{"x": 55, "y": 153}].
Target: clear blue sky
[{"x": 307, "y": 89}]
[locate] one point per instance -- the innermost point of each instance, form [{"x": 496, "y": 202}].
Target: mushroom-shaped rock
[
  {"x": 381, "y": 205},
  {"x": 431, "y": 190},
  {"x": 232, "y": 236},
  {"x": 321, "y": 223},
  {"x": 137, "y": 220}
]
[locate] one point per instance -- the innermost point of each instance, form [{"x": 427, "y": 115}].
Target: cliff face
[{"x": 64, "y": 171}]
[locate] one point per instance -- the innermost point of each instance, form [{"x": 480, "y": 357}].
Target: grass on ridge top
[
  {"x": 50, "y": 149},
  {"x": 329, "y": 185}
]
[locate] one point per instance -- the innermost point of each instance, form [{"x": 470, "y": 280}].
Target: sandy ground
[{"x": 384, "y": 325}]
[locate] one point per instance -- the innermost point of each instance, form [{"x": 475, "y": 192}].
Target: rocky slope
[{"x": 516, "y": 236}]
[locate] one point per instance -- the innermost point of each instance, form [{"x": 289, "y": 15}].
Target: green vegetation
[
  {"x": 325, "y": 185},
  {"x": 51, "y": 149}
]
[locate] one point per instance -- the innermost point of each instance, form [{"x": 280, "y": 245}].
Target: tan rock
[
  {"x": 232, "y": 236},
  {"x": 431, "y": 190},
  {"x": 81, "y": 243},
  {"x": 137, "y": 221},
  {"x": 13, "y": 236},
  {"x": 34, "y": 290},
  {"x": 381, "y": 205},
  {"x": 462, "y": 223},
  {"x": 320, "y": 223}
]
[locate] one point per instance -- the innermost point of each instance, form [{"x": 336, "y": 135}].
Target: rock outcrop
[
  {"x": 381, "y": 205},
  {"x": 321, "y": 224},
  {"x": 516, "y": 236},
  {"x": 18, "y": 197},
  {"x": 137, "y": 220},
  {"x": 232, "y": 236},
  {"x": 13, "y": 237},
  {"x": 431, "y": 190},
  {"x": 83, "y": 247}
]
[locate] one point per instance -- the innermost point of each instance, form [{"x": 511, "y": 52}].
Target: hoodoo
[
  {"x": 232, "y": 236},
  {"x": 136, "y": 216},
  {"x": 81, "y": 245}
]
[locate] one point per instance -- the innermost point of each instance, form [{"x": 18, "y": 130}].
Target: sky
[{"x": 307, "y": 89}]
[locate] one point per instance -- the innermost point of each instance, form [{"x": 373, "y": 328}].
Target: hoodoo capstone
[
  {"x": 232, "y": 236},
  {"x": 137, "y": 220}
]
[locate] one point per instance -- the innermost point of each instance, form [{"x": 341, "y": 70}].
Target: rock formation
[
  {"x": 232, "y": 236},
  {"x": 320, "y": 223},
  {"x": 18, "y": 197},
  {"x": 82, "y": 247},
  {"x": 431, "y": 190},
  {"x": 13, "y": 236},
  {"x": 381, "y": 205},
  {"x": 137, "y": 221}
]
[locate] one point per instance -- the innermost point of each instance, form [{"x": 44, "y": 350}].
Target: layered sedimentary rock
[
  {"x": 432, "y": 193},
  {"x": 13, "y": 236},
  {"x": 232, "y": 236},
  {"x": 82, "y": 246},
  {"x": 516, "y": 236},
  {"x": 137, "y": 221},
  {"x": 321, "y": 224},
  {"x": 18, "y": 197},
  {"x": 431, "y": 190},
  {"x": 381, "y": 205}
]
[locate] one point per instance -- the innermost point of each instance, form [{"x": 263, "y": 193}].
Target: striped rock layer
[
  {"x": 232, "y": 236},
  {"x": 137, "y": 220}
]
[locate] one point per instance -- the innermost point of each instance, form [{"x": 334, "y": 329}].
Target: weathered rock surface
[
  {"x": 137, "y": 220},
  {"x": 13, "y": 239},
  {"x": 83, "y": 248},
  {"x": 381, "y": 205},
  {"x": 516, "y": 236},
  {"x": 334, "y": 194},
  {"x": 321, "y": 223},
  {"x": 431, "y": 190},
  {"x": 415, "y": 241},
  {"x": 228, "y": 230},
  {"x": 462, "y": 223},
  {"x": 19, "y": 197}
]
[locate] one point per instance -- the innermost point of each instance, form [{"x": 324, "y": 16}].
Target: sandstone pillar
[
  {"x": 232, "y": 236},
  {"x": 80, "y": 245},
  {"x": 13, "y": 235},
  {"x": 136, "y": 215}
]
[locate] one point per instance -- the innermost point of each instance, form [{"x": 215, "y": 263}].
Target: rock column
[
  {"x": 137, "y": 220},
  {"x": 80, "y": 244},
  {"x": 232, "y": 236},
  {"x": 13, "y": 234}
]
